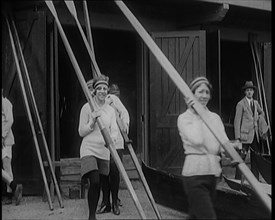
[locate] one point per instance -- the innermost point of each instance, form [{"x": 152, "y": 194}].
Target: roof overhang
[{"x": 256, "y": 4}]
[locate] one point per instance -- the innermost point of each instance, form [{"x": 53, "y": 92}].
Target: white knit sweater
[
  {"x": 201, "y": 147},
  {"x": 93, "y": 142}
]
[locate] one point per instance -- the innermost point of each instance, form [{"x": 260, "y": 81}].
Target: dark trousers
[
  {"x": 201, "y": 192},
  {"x": 253, "y": 160},
  {"x": 110, "y": 186}
]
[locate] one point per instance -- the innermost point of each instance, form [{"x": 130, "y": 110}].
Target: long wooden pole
[
  {"x": 29, "y": 117},
  {"x": 71, "y": 7},
  {"x": 104, "y": 131},
  {"x": 193, "y": 103},
  {"x": 89, "y": 31},
  {"x": 37, "y": 115}
]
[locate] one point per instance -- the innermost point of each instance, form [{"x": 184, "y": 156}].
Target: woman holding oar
[
  {"x": 202, "y": 163},
  {"x": 94, "y": 154}
]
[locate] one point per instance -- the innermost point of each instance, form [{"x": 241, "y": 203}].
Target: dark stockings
[
  {"x": 104, "y": 181},
  {"x": 114, "y": 180},
  {"x": 110, "y": 183},
  {"x": 93, "y": 193}
]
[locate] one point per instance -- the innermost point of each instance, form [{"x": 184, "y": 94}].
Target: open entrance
[
  {"x": 116, "y": 55},
  {"x": 236, "y": 68}
]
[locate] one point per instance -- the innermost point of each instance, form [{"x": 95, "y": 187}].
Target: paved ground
[{"x": 33, "y": 208}]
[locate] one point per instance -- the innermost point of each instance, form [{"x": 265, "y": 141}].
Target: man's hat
[{"x": 249, "y": 84}]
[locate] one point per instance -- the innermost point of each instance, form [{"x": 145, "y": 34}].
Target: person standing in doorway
[
  {"x": 94, "y": 154},
  {"x": 7, "y": 143},
  {"x": 114, "y": 176},
  {"x": 246, "y": 118}
]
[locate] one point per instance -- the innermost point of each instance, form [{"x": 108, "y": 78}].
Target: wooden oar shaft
[
  {"x": 88, "y": 26},
  {"x": 37, "y": 115},
  {"x": 29, "y": 116},
  {"x": 87, "y": 93},
  {"x": 89, "y": 32},
  {"x": 91, "y": 54},
  {"x": 179, "y": 82},
  {"x": 71, "y": 7}
]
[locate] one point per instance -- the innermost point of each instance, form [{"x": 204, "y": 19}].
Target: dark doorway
[
  {"x": 236, "y": 68},
  {"x": 116, "y": 55}
]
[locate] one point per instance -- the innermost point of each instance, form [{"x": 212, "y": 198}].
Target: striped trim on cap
[
  {"x": 100, "y": 82},
  {"x": 197, "y": 82}
]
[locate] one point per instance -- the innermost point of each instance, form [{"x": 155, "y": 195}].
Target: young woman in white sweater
[
  {"x": 94, "y": 153},
  {"x": 201, "y": 167}
]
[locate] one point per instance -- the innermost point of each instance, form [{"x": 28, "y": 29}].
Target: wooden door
[
  {"x": 31, "y": 31},
  {"x": 186, "y": 52}
]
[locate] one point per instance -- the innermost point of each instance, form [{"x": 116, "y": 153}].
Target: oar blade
[
  {"x": 70, "y": 5},
  {"x": 50, "y": 5}
]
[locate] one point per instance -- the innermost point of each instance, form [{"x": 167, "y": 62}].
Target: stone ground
[{"x": 33, "y": 208}]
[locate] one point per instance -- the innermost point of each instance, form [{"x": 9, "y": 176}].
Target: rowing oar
[
  {"x": 37, "y": 114},
  {"x": 193, "y": 103},
  {"x": 71, "y": 7},
  {"x": 104, "y": 131},
  {"x": 89, "y": 31},
  {"x": 29, "y": 115}
]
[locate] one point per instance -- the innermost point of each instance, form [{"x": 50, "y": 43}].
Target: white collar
[{"x": 249, "y": 100}]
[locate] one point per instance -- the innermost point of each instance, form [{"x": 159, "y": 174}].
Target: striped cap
[
  {"x": 198, "y": 81},
  {"x": 101, "y": 79},
  {"x": 97, "y": 83}
]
